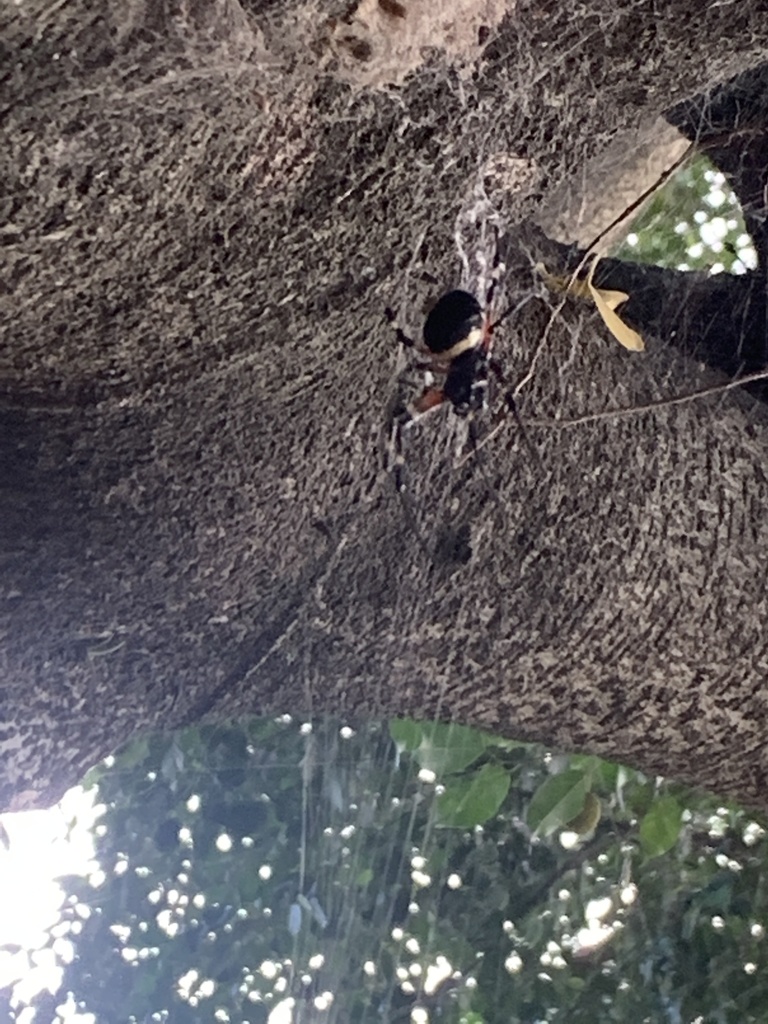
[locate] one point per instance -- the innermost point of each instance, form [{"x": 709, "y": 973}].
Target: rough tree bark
[{"x": 208, "y": 206}]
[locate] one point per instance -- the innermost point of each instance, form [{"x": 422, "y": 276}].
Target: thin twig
[
  {"x": 629, "y": 210},
  {"x": 636, "y": 410}
]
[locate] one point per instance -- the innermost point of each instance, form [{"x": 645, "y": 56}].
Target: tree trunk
[{"x": 208, "y": 209}]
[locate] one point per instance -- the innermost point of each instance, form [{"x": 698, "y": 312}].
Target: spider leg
[
  {"x": 401, "y": 415},
  {"x": 510, "y": 311},
  {"x": 400, "y": 421},
  {"x": 426, "y": 360},
  {"x": 473, "y": 445},
  {"x": 404, "y": 339},
  {"x": 397, "y": 463},
  {"x": 510, "y": 409},
  {"x": 428, "y": 400},
  {"x": 497, "y": 270}
]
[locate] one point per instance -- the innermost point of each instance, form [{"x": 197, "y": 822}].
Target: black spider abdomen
[
  {"x": 450, "y": 320},
  {"x": 466, "y": 383}
]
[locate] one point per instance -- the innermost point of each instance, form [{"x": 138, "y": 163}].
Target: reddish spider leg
[{"x": 431, "y": 397}]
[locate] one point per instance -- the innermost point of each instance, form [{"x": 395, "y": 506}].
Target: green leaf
[
  {"x": 445, "y": 749},
  {"x": 660, "y": 828},
  {"x": 604, "y": 773},
  {"x": 442, "y": 748},
  {"x": 405, "y": 733},
  {"x": 132, "y": 754},
  {"x": 557, "y": 801},
  {"x": 471, "y": 801},
  {"x": 638, "y": 796}
]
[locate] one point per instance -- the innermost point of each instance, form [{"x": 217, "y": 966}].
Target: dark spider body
[
  {"x": 455, "y": 333},
  {"x": 457, "y": 345},
  {"x": 457, "y": 353},
  {"x": 450, "y": 321},
  {"x": 466, "y": 383}
]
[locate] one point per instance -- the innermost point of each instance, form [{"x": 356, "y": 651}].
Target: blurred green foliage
[
  {"x": 693, "y": 223},
  {"x": 378, "y": 874}
]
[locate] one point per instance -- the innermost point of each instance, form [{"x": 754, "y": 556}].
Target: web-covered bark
[{"x": 205, "y": 218}]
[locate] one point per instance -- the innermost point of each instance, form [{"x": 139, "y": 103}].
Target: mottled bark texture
[{"x": 207, "y": 208}]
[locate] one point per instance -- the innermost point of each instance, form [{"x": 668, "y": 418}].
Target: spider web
[{"x": 204, "y": 223}]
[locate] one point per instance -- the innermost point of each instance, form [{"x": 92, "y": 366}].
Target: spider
[{"x": 458, "y": 344}]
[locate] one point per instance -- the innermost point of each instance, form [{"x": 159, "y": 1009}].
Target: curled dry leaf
[
  {"x": 606, "y": 302},
  {"x": 605, "y": 299}
]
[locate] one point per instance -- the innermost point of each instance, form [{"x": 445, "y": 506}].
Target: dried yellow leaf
[
  {"x": 611, "y": 298},
  {"x": 622, "y": 333},
  {"x": 605, "y": 299}
]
